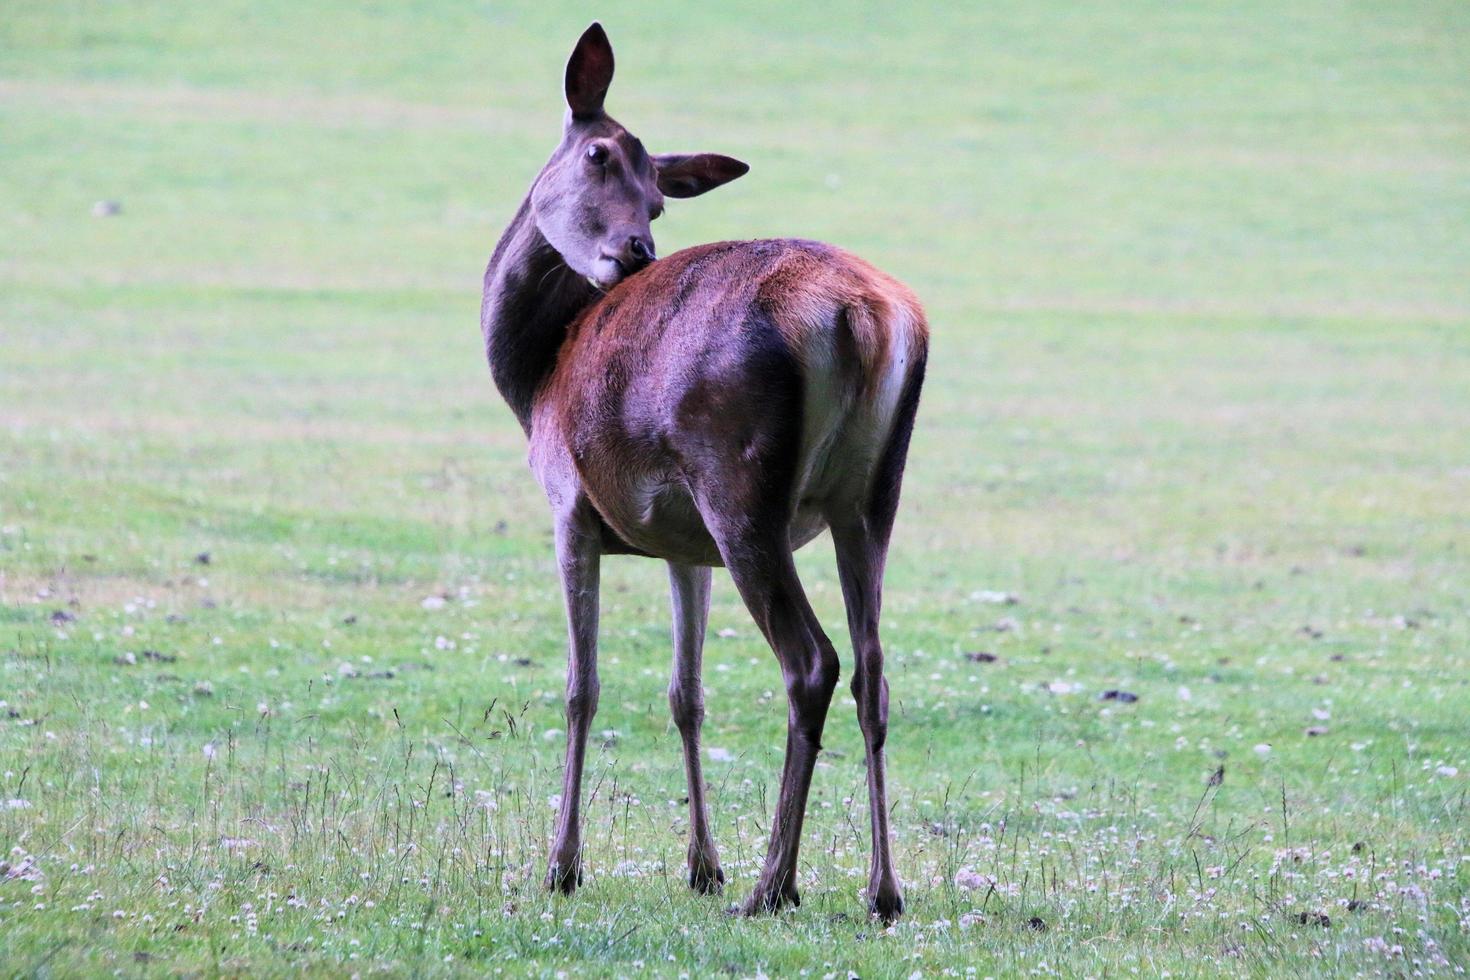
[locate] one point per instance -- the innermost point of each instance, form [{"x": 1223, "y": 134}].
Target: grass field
[{"x": 280, "y": 646}]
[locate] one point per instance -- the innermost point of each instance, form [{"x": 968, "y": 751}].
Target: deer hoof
[
  {"x": 564, "y": 878},
  {"x": 766, "y": 900},
  {"x": 706, "y": 879},
  {"x": 886, "y": 904}
]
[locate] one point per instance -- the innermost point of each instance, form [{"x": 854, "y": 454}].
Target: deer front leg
[
  {"x": 577, "y": 554},
  {"x": 689, "y": 585}
]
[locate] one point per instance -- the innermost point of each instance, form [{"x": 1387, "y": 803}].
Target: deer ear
[
  {"x": 691, "y": 174},
  {"x": 589, "y": 73}
]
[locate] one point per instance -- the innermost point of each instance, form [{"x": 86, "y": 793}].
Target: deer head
[{"x": 597, "y": 195}]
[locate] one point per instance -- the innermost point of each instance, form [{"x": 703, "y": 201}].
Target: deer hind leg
[
  {"x": 766, "y": 577},
  {"x": 578, "y": 551},
  {"x": 746, "y": 451},
  {"x": 860, "y": 554},
  {"x": 860, "y": 533},
  {"x": 689, "y": 585}
]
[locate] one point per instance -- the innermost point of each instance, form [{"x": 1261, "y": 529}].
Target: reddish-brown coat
[{"x": 656, "y": 375}]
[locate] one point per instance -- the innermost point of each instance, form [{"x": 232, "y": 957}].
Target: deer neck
[{"x": 530, "y": 299}]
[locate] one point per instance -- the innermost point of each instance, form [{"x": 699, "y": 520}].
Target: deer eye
[{"x": 597, "y": 153}]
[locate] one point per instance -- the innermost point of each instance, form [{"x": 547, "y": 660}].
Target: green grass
[{"x": 1199, "y": 279}]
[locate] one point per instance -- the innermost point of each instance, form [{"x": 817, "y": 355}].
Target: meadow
[{"x": 1178, "y": 610}]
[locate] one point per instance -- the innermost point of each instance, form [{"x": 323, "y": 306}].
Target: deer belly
[
  {"x": 656, "y": 514},
  {"x": 659, "y": 517}
]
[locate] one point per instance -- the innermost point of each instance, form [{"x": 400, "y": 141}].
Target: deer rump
[{"x": 785, "y": 361}]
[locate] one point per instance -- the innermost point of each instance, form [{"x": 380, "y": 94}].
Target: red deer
[{"x": 719, "y": 406}]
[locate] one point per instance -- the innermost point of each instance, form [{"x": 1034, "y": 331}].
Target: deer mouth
[{"x": 607, "y": 272}]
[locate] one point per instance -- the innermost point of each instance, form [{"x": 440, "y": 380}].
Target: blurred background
[{"x": 231, "y": 223}]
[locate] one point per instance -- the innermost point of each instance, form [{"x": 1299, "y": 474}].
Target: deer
[{"x": 719, "y": 406}]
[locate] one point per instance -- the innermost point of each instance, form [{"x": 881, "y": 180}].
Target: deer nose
[{"x": 640, "y": 250}]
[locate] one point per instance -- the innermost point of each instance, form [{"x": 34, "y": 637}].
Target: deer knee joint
[
  {"x": 870, "y": 691},
  {"x": 582, "y": 699},
  {"x": 687, "y": 708},
  {"x": 867, "y": 676},
  {"x": 810, "y": 691}
]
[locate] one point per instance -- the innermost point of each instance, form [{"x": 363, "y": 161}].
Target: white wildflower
[{"x": 970, "y": 880}]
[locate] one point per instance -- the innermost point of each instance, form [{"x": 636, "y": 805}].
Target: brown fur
[{"x": 624, "y": 389}]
